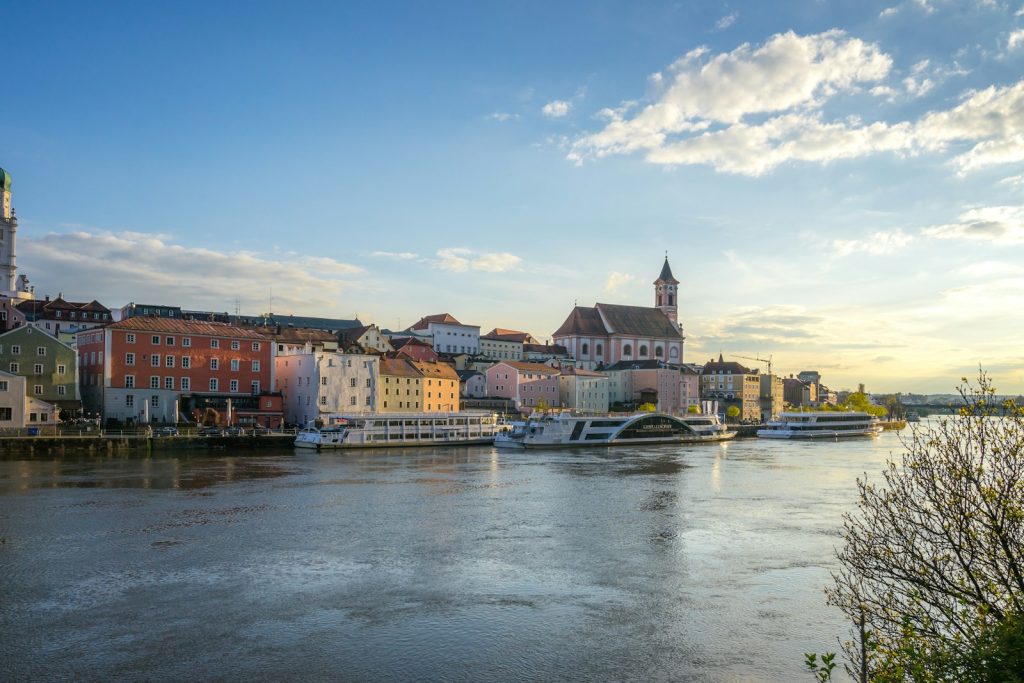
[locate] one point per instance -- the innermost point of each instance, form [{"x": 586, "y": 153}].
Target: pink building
[
  {"x": 605, "y": 334},
  {"x": 525, "y": 383}
]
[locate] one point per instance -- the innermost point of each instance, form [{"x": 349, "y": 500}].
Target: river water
[{"x": 703, "y": 563}]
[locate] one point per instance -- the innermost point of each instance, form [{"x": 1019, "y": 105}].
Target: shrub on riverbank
[{"x": 932, "y": 567}]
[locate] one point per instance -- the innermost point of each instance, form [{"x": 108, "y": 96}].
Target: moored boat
[
  {"x": 566, "y": 430},
  {"x": 821, "y": 425},
  {"x": 383, "y": 430}
]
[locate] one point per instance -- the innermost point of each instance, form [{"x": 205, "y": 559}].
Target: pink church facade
[{"x": 605, "y": 334}]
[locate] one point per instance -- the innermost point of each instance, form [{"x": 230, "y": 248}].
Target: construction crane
[{"x": 767, "y": 360}]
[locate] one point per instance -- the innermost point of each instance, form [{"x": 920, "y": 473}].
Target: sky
[{"x": 839, "y": 185}]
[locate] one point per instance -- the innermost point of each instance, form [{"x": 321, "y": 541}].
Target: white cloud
[
  {"x": 877, "y": 244},
  {"x": 1015, "y": 40},
  {"x": 998, "y": 224},
  {"x": 1012, "y": 181},
  {"x": 888, "y": 12},
  {"x": 460, "y": 259},
  {"x": 556, "y": 109},
  {"x": 396, "y": 255},
  {"x": 727, "y": 21},
  {"x": 616, "y": 281},
  {"x": 501, "y": 116},
  {"x": 139, "y": 266},
  {"x": 711, "y": 110}
]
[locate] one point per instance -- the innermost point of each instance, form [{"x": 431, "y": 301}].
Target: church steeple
[
  {"x": 8, "y": 232},
  {"x": 665, "y": 293}
]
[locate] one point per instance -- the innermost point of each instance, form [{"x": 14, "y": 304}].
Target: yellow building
[
  {"x": 400, "y": 387},
  {"x": 441, "y": 387}
]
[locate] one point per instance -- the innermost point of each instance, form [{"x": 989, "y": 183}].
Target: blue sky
[{"x": 838, "y": 184}]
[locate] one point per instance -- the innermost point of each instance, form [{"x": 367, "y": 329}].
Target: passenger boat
[
  {"x": 383, "y": 430},
  {"x": 821, "y": 425},
  {"x": 566, "y": 430}
]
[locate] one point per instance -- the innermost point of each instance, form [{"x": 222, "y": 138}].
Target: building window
[
  {"x": 3, "y": 385},
  {"x": 37, "y": 389},
  {"x": 37, "y": 369},
  {"x": 213, "y": 384},
  {"x": 586, "y": 349},
  {"x": 154, "y": 401},
  {"x": 255, "y": 346},
  {"x": 658, "y": 351},
  {"x": 154, "y": 382},
  {"x": 351, "y": 400},
  {"x": 129, "y": 381},
  {"x": 16, "y": 349},
  {"x": 214, "y": 365},
  {"x": 323, "y": 400},
  {"x": 61, "y": 369},
  {"x": 255, "y": 366},
  {"x": 62, "y": 390},
  {"x": 156, "y": 340},
  {"x": 352, "y": 382},
  {"x": 643, "y": 349},
  {"x": 367, "y": 382},
  {"x": 255, "y": 386},
  {"x": 367, "y": 400},
  {"x": 214, "y": 343},
  {"x": 674, "y": 352},
  {"x": 168, "y": 382},
  {"x": 234, "y": 365},
  {"x": 627, "y": 350},
  {"x": 129, "y": 338},
  {"x": 234, "y": 386},
  {"x": 186, "y": 341},
  {"x": 598, "y": 350},
  {"x": 6, "y": 415},
  {"x": 129, "y": 400},
  {"x": 169, "y": 361},
  {"x": 14, "y": 368},
  {"x": 154, "y": 360},
  {"x": 169, "y": 341},
  {"x": 186, "y": 384},
  {"x": 235, "y": 345},
  {"x": 186, "y": 362},
  {"x": 40, "y": 350}
]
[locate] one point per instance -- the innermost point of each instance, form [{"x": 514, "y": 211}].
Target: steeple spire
[{"x": 665, "y": 295}]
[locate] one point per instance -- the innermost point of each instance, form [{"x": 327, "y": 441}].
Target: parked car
[
  {"x": 211, "y": 431},
  {"x": 167, "y": 431}
]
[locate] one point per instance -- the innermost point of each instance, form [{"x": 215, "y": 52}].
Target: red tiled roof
[
  {"x": 208, "y": 329},
  {"x": 399, "y": 367},
  {"x": 530, "y": 367},
  {"x": 500, "y": 334},
  {"x": 436, "y": 318},
  {"x": 440, "y": 370}
]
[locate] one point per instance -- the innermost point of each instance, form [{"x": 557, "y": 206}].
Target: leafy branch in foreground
[{"x": 932, "y": 569}]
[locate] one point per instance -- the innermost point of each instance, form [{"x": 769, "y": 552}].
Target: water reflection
[
  {"x": 698, "y": 563},
  {"x": 158, "y": 473}
]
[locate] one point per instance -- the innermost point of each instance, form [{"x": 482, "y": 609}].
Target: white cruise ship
[
  {"x": 383, "y": 430},
  {"x": 565, "y": 430},
  {"x": 821, "y": 425}
]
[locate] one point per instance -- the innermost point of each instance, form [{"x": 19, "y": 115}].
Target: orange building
[
  {"x": 142, "y": 368},
  {"x": 441, "y": 387}
]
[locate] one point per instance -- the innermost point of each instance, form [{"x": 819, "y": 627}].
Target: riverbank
[{"x": 129, "y": 445}]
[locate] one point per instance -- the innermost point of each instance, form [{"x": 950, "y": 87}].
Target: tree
[
  {"x": 933, "y": 562},
  {"x": 647, "y": 408},
  {"x": 732, "y": 412},
  {"x": 693, "y": 410}
]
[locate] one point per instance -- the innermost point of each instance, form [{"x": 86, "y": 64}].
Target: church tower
[
  {"x": 665, "y": 294},
  {"x": 8, "y": 231}
]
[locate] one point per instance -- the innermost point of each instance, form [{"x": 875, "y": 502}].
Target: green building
[{"x": 50, "y": 367}]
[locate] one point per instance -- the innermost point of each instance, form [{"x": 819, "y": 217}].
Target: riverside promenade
[{"x": 122, "y": 443}]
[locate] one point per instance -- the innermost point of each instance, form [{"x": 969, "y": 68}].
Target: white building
[
  {"x": 584, "y": 391},
  {"x": 315, "y": 384},
  {"x": 17, "y": 410},
  {"x": 448, "y": 335}
]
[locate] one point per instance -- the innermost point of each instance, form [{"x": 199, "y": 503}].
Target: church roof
[
  {"x": 606, "y": 319},
  {"x": 5, "y": 180},
  {"x": 666, "y": 274}
]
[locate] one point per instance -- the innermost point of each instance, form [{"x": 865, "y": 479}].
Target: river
[{"x": 702, "y": 563}]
